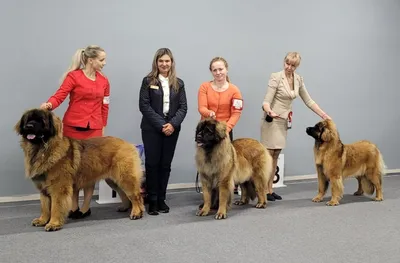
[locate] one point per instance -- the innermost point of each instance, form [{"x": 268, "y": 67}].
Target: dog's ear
[
  {"x": 54, "y": 125},
  {"x": 50, "y": 125},
  {"x": 220, "y": 129},
  {"x": 326, "y": 134},
  {"x": 19, "y": 125}
]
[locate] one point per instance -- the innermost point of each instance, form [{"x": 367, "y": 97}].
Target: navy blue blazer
[{"x": 151, "y": 106}]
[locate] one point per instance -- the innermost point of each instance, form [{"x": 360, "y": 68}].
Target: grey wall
[{"x": 350, "y": 65}]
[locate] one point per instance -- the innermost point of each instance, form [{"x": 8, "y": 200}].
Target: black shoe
[
  {"x": 162, "y": 207},
  {"x": 270, "y": 197},
  {"x": 152, "y": 208},
  {"x": 276, "y": 196},
  {"x": 86, "y": 214},
  {"x": 77, "y": 214}
]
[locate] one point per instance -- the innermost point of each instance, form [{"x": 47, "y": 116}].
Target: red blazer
[{"x": 89, "y": 100}]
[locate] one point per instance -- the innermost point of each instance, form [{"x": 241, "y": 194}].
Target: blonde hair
[
  {"x": 153, "y": 75},
  {"x": 293, "y": 58},
  {"x": 80, "y": 58},
  {"x": 215, "y": 59}
]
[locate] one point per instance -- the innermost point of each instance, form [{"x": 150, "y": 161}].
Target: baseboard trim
[
  {"x": 32, "y": 197},
  {"x": 178, "y": 186}
]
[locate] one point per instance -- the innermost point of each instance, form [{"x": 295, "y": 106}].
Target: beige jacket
[{"x": 280, "y": 96}]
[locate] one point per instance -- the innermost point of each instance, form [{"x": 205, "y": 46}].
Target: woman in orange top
[{"x": 220, "y": 99}]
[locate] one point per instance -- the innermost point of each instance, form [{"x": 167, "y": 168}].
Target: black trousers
[{"x": 159, "y": 151}]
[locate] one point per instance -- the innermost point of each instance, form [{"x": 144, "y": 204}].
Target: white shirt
[{"x": 165, "y": 86}]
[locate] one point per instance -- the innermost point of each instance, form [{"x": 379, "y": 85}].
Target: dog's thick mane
[
  {"x": 334, "y": 144},
  {"x": 216, "y": 154},
  {"x": 40, "y": 158}
]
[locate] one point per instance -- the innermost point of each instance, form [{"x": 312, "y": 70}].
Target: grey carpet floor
[{"x": 291, "y": 230}]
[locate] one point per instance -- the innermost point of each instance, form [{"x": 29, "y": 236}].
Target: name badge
[{"x": 154, "y": 87}]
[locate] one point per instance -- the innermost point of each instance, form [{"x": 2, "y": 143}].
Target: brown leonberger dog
[
  {"x": 336, "y": 161},
  {"x": 59, "y": 165},
  {"x": 222, "y": 164}
]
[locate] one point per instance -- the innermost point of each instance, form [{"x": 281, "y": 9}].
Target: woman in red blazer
[{"x": 87, "y": 112}]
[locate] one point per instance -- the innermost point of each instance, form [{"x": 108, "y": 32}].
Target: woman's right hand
[
  {"x": 46, "y": 105},
  {"x": 273, "y": 114},
  {"x": 212, "y": 114}
]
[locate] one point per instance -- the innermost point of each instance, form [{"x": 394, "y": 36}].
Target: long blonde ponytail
[{"x": 79, "y": 59}]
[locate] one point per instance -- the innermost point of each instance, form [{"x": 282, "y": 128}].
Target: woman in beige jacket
[{"x": 283, "y": 87}]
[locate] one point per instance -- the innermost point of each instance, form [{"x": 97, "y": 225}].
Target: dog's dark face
[
  {"x": 36, "y": 126},
  {"x": 209, "y": 132},
  {"x": 316, "y": 131},
  {"x": 322, "y": 131}
]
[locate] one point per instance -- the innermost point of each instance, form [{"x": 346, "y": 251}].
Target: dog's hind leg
[
  {"x": 244, "y": 198},
  {"x": 130, "y": 184},
  {"x": 374, "y": 178},
  {"x": 45, "y": 204},
  {"x": 125, "y": 200},
  {"x": 360, "y": 190}
]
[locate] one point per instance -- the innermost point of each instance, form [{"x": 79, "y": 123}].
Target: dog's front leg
[
  {"x": 207, "y": 188},
  {"x": 323, "y": 184},
  {"x": 45, "y": 203},
  {"x": 337, "y": 190},
  {"x": 225, "y": 195},
  {"x": 61, "y": 200}
]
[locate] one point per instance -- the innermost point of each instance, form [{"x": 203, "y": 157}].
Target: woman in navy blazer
[{"x": 163, "y": 104}]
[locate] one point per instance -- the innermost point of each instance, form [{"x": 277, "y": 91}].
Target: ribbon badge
[{"x": 289, "y": 120}]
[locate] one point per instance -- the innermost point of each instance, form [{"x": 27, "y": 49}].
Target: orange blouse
[{"x": 227, "y": 104}]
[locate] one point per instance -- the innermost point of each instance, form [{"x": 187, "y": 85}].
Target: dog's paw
[
  {"x": 122, "y": 208},
  {"x": 202, "y": 212},
  {"x": 317, "y": 199},
  {"x": 52, "y": 227},
  {"x": 261, "y": 205},
  {"x": 378, "y": 199},
  {"x": 332, "y": 203},
  {"x": 358, "y": 193},
  {"x": 220, "y": 215},
  {"x": 239, "y": 202},
  {"x": 39, "y": 222},
  {"x": 136, "y": 216}
]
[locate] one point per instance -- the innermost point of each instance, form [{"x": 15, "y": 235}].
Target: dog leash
[{"x": 198, "y": 190}]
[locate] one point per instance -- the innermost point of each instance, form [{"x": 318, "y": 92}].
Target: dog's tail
[
  {"x": 382, "y": 166},
  {"x": 250, "y": 189}
]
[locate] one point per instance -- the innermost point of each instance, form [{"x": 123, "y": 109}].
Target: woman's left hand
[
  {"x": 168, "y": 129},
  {"x": 326, "y": 117}
]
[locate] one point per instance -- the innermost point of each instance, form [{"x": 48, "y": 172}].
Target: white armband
[
  {"x": 237, "y": 104},
  {"x": 106, "y": 100}
]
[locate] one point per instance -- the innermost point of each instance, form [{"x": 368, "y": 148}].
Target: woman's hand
[
  {"x": 326, "y": 117},
  {"x": 46, "y": 106},
  {"x": 273, "y": 114},
  {"x": 212, "y": 114},
  {"x": 168, "y": 129}
]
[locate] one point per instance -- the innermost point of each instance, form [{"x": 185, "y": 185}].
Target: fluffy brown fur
[
  {"x": 222, "y": 164},
  {"x": 59, "y": 165},
  {"x": 336, "y": 161}
]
